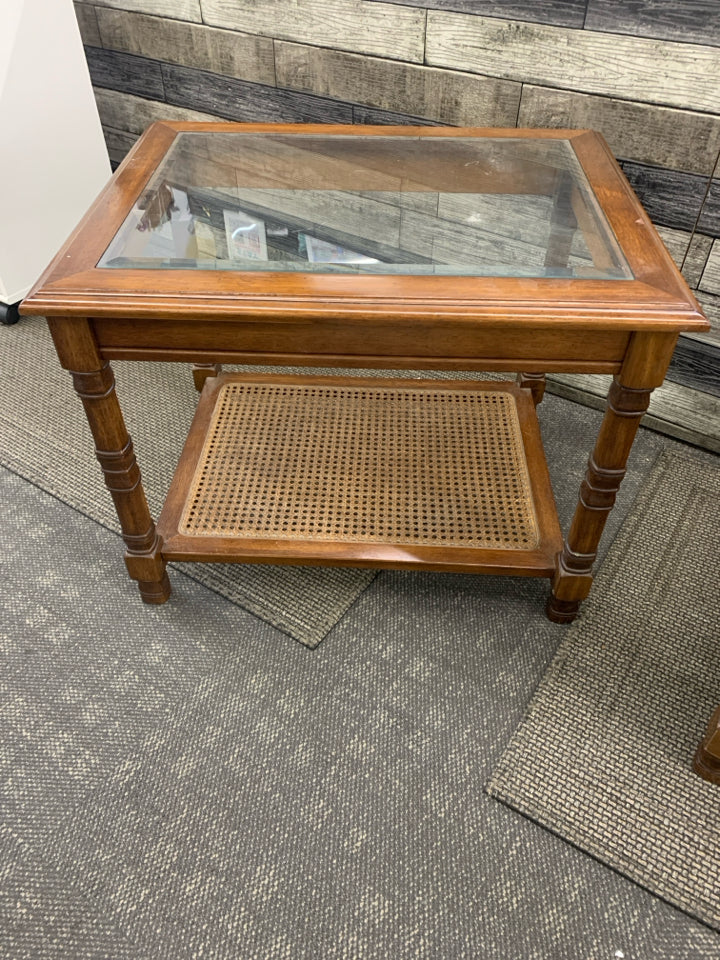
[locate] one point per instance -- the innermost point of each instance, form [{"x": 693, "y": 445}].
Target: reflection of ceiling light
[{"x": 248, "y": 226}]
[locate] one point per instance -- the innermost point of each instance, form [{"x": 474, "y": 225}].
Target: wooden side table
[{"x": 375, "y": 247}]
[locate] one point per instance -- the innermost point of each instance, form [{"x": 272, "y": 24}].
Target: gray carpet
[
  {"x": 181, "y": 782},
  {"x": 45, "y": 438},
  {"x": 604, "y": 756}
]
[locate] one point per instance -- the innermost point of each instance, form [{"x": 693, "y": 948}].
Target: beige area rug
[
  {"x": 603, "y": 757},
  {"x": 44, "y": 438}
]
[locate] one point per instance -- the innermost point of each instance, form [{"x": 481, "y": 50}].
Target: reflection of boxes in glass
[
  {"x": 321, "y": 251},
  {"x": 206, "y": 247},
  {"x": 245, "y": 236}
]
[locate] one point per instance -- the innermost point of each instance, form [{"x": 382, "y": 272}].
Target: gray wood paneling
[
  {"x": 672, "y": 199},
  {"x": 696, "y": 258},
  {"x": 710, "y": 216},
  {"x": 711, "y": 308},
  {"x": 710, "y": 281},
  {"x": 87, "y": 22},
  {"x": 240, "y": 100},
  {"x": 624, "y": 67},
  {"x": 460, "y": 99},
  {"x": 120, "y": 71},
  {"x": 696, "y": 365},
  {"x": 118, "y": 143},
  {"x": 175, "y": 9},
  {"x": 657, "y": 100},
  {"x": 562, "y": 13},
  {"x": 694, "y": 21},
  {"x": 663, "y": 136},
  {"x": 371, "y": 115},
  {"x": 675, "y": 410},
  {"x": 676, "y": 242},
  {"x": 130, "y": 114},
  {"x": 204, "y": 48},
  {"x": 690, "y": 252},
  {"x": 382, "y": 29}
]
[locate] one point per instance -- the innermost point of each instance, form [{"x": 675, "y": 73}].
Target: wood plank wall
[{"x": 646, "y": 73}]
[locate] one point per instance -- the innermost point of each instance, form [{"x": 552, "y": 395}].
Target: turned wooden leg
[
  {"x": 644, "y": 368},
  {"x": 95, "y": 384},
  {"x": 535, "y": 383},
  {"x": 201, "y": 371},
  {"x": 707, "y": 756}
]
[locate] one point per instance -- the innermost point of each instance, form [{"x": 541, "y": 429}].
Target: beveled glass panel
[{"x": 504, "y": 207}]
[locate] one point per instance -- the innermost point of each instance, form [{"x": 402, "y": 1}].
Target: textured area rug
[
  {"x": 603, "y": 757},
  {"x": 179, "y": 783},
  {"x": 44, "y": 437}
]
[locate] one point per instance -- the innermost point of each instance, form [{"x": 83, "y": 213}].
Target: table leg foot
[
  {"x": 561, "y": 611},
  {"x": 155, "y": 591},
  {"x": 707, "y": 757}
]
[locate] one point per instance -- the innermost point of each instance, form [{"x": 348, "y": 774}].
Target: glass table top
[{"x": 452, "y": 206}]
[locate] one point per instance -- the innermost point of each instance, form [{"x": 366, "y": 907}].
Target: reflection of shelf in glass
[{"x": 476, "y": 235}]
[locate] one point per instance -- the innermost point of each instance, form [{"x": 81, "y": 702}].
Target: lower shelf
[{"x": 363, "y": 472}]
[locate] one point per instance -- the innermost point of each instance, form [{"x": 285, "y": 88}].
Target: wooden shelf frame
[{"x": 537, "y": 561}]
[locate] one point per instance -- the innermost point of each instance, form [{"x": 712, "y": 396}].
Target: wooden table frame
[{"x": 525, "y": 325}]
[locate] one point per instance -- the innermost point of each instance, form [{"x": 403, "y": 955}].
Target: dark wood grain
[
  {"x": 122, "y": 71},
  {"x": 710, "y": 215},
  {"x": 245, "y": 101},
  {"x": 561, "y": 13},
  {"x": 361, "y": 114},
  {"x": 673, "y": 199},
  {"x": 691, "y": 21},
  {"x": 696, "y": 365}
]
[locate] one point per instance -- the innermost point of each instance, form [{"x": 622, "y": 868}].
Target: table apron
[{"x": 417, "y": 345}]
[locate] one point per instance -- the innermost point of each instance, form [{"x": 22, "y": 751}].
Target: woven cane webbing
[{"x": 363, "y": 464}]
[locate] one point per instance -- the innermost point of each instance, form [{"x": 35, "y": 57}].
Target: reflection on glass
[
  {"x": 245, "y": 236},
  {"x": 382, "y": 205}
]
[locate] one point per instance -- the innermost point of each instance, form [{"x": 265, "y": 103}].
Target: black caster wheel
[{"x": 9, "y": 313}]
